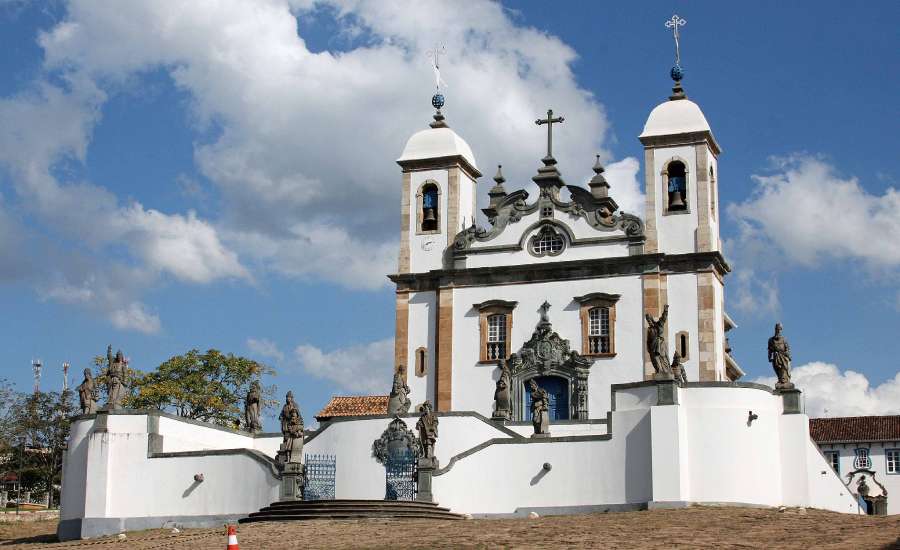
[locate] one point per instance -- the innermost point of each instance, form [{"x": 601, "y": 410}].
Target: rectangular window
[
  {"x": 862, "y": 459},
  {"x": 598, "y": 330},
  {"x": 496, "y": 338},
  {"x": 892, "y": 457},
  {"x": 834, "y": 459}
]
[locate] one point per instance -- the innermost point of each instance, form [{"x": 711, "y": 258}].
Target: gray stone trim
[
  {"x": 88, "y": 528},
  {"x": 440, "y": 163},
  {"x": 687, "y": 138},
  {"x": 262, "y": 458},
  {"x": 157, "y": 413},
  {"x": 561, "y": 422},
  {"x": 593, "y": 268},
  {"x": 495, "y": 303},
  {"x": 520, "y": 441}
]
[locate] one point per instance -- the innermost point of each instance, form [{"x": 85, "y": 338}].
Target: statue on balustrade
[
  {"x": 116, "y": 373},
  {"x": 398, "y": 402},
  {"x": 87, "y": 394},
  {"x": 291, "y": 450},
  {"x": 427, "y": 426},
  {"x": 656, "y": 344},
  {"x": 502, "y": 400},
  {"x": 251, "y": 408},
  {"x": 540, "y": 407},
  {"x": 780, "y": 357},
  {"x": 678, "y": 369}
]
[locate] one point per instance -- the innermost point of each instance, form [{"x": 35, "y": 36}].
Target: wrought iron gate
[
  {"x": 321, "y": 471},
  {"x": 400, "y": 476}
]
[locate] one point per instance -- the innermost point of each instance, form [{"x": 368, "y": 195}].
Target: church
[{"x": 608, "y": 326}]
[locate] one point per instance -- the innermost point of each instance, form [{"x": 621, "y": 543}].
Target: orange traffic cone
[{"x": 232, "y": 538}]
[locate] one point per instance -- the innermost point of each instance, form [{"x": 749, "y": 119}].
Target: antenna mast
[
  {"x": 65, "y": 376},
  {"x": 36, "y": 367}
]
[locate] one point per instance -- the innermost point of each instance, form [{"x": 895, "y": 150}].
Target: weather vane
[
  {"x": 674, "y": 23},
  {"x": 437, "y": 100}
]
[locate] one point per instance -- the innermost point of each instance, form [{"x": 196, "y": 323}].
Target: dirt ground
[{"x": 696, "y": 527}]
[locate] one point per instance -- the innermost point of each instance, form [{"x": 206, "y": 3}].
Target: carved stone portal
[{"x": 547, "y": 354}]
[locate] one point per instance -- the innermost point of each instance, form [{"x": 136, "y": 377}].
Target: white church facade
[{"x": 558, "y": 288}]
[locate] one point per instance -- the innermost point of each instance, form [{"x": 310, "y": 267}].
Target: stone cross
[
  {"x": 673, "y": 24},
  {"x": 549, "y": 122}
]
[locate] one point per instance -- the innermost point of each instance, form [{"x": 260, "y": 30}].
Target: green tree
[
  {"x": 36, "y": 427},
  {"x": 204, "y": 386}
]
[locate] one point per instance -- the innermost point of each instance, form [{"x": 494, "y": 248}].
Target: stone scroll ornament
[
  {"x": 115, "y": 378},
  {"x": 87, "y": 394},
  {"x": 397, "y": 440},
  {"x": 427, "y": 426},
  {"x": 291, "y": 449},
  {"x": 656, "y": 344},
  {"x": 251, "y": 408},
  {"x": 398, "y": 402},
  {"x": 780, "y": 357}
]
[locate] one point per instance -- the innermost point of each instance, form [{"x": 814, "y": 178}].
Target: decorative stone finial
[
  {"x": 437, "y": 101},
  {"x": 598, "y": 184},
  {"x": 499, "y": 177}
]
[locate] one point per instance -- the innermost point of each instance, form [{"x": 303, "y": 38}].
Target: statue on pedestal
[
  {"x": 291, "y": 450},
  {"x": 427, "y": 426},
  {"x": 540, "y": 406},
  {"x": 115, "y": 378},
  {"x": 780, "y": 357},
  {"x": 87, "y": 394},
  {"x": 502, "y": 401},
  {"x": 251, "y": 408},
  {"x": 398, "y": 402},
  {"x": 678, "y": 369},
  {"x": 656, "y": 343}
]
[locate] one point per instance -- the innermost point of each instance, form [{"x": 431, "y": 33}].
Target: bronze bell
[
  {"x": 429, "y": 215},
  {"x": 677, "y": 202}
]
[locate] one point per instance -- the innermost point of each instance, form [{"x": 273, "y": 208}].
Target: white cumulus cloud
[
  {"x": 828, "y": 391},
  {"x": 365, "y": 368}
]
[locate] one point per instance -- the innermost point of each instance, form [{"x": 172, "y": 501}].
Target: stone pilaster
[
  {"x": 655, "y": 297},
  {"x": 704, "y": 227},
  {"x": 452, "y": 203},
  {"x": 401, "y": 333},
  {"x": 706, "y": 325},
  {"x": 403, "y": 266},
  {"x": 651, "y": 246},
  {"x": 443, "y": 365}
]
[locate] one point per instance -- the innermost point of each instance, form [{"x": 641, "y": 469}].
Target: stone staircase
[{"x": 297, "y": 510}]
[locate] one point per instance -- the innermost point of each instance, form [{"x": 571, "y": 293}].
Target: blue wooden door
[{"x": 557, "y": 390}]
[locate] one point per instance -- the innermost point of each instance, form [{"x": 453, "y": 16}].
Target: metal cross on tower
[
  {"x": 435, "y": 56},
  {"x": 673, "y": 24},
  {"x": 549, "y": 122}
]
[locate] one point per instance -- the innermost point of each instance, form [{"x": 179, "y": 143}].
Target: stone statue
[
  {"x": 115, "y": 379},
  {"x": 780, "y": 357},
  {"x": 427, "y": 426},
  {"x": 502, "y": 401},
  {"x": 398, "y": 402},
  {"x": 656, "y": 342},
  {"x": 678, "y": 369},
  {"x": 862, "y": 488},
  {"x": 251, "y": 408},
  {"x": 540, "y": 405},
  {"x": 291, "y": 450},
  {"x": 87, "y": 394}
]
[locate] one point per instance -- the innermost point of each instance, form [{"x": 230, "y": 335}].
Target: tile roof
[
  {"x": 354, "y": 405},
  {"x": 855, "y": 428}
]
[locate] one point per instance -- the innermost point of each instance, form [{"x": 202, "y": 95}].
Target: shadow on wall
[
  {"x": 637, "y": 444},
  {"x": 545, "y": 469}
]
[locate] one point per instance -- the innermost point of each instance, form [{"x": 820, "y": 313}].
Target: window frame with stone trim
[
  {"x": 485, "y": 311},
  {"x": 420, "y": 208},
  {"x": 887, "y": 461},
  {"x": 834, "y": 459},
  {"x": 597, "y": 301},
  {"x": 546, "y": 230},
  {"x": 683, "y": 344},
  {"x": 665, "y": 187},
  {"x": 421, "y": 361},
  {"x": 857, "y": 462}
]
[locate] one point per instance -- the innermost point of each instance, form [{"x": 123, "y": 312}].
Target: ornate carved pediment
[{"x": 396, "y": 440}]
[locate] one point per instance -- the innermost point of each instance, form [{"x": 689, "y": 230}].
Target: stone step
[
  {"x": 345, "y": 510},
  {"x": 323, "y": 506},
  {"x": 352, "y": 515},
  {"x": 350, "y": 509},
  {"x": 343, "y": 501}
]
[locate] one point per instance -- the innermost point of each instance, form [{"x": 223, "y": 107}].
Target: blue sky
[{"x": 226, "y": 179}]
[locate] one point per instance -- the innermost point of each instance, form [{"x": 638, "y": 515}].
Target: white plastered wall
[
  {"x": 682, "y": 295},
  {"x": 426, "y": 250},
  {"x": 676, "y": 233},
  {"x": 420, "y": 333},
  {"x": 474, "y": 382}
]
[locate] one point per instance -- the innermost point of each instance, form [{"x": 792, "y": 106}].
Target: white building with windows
[
  {"x": 865, "y": 452},
  {"x": 559, "y": 287}
]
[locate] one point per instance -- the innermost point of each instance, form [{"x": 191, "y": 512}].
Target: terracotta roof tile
[
  {"x": 855, "y": 428},
  {"x": 354, "y": 405}
]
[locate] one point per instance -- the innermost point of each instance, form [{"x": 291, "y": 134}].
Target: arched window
[
  {"x": 547, "y": 242},
  {"x": 421, "y": 362},
  {"x": 428, "y": 216},
  {"x": 677, "y": 185},
  {"x": 683, "y": 344}
]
